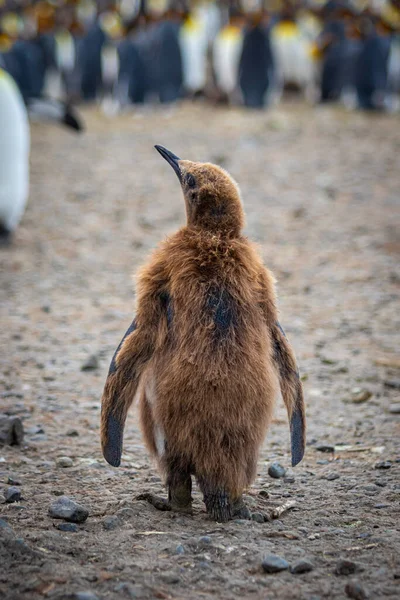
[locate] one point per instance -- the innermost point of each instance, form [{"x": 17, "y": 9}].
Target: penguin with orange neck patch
[{"x": 205, "y": 354}]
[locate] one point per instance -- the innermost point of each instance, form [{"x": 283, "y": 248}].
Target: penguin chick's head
[{"x": 212, "y": 197}]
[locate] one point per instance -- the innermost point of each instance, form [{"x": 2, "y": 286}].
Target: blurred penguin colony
[{"x": 136, "y": 51}]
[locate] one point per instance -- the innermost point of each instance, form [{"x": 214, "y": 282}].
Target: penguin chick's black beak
[{"x": 171, "y": 158}]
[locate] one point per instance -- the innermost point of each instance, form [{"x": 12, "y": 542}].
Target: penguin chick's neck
[{"x": 212, "y": 199}]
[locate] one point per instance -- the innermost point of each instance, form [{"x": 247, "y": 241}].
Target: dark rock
[
  {"x": 205, "y": 540},
  {"x": 12, "y": 494},
  {"x": 355, "y": 590},
  {"x": 69, "y": 527},
  {"x": 276, "y": 471},
  {"x": 67, "y": 509},
  {"x": 257, "y": 517},
  {"x": 274, "y": 564},
  {"x": 394, "y": 408},
  {"x": 111, "y": 522},
  {"x": 392, "y": 383},
  {"x": 345, "y": 567},
  {"x": 72, "y": 433},
  {"x": 263, "y": 493},
  {"x": 91, "y": 364},
  {"x": 381, "y": 482},
  {"x": 381, "y": 505},
  {"x": 11, "y": 431},
  {"x": 325, "y": 448},
  {"x": 301, "y": 566},
  {"x": 384, "y": 464}
]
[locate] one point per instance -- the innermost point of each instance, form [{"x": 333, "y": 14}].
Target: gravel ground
[{"x": 321, "y": 191}]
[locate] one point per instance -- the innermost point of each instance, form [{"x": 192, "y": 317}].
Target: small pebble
[
  {"x": 325, "y": 448},
  {"x": 12, "y": 494},
  {"x": 64, "y": 462},
  {"x": 65, "y": 508},
  {"x": 72, "y": 433},
  {"x": 323, "y": 462},
  {"x": 301, "y": 566},
  {"x": 205, "y": 540},
  {"x": 257, "y": 517},
  {"x": 359, "y": 395},
  {"x": 263, "y": 493},
  {"x": 289, "y": 479},
  {"x": 180, "y": 549},
  {"x": 91, "y": 364},
  {"x": 394, "y": 409},
  {"x": 381, "y": 482},
  {"x": 355, "y": 590},
  {"x": 111, "y": 522},
  {"x": 392, "y": 383},
  {"x": 70, "y": 527},
  {"x": 345, "y": 567},
  {"x": 332, "y": 476},
  {"x": 384, "y": 464},
  {"x": 274, "y": 564},
  {"x": 381, "y": 505},
  {"x": 276, "y": 471},
  {"x": 4, "y": 525}
]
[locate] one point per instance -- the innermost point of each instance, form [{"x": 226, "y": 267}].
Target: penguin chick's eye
[{"x": 190, "y": 181}]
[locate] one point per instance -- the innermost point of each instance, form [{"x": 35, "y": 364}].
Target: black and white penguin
[
  {"x": 15, "y": 145},
  {"x": 227, "y": 50},
  {"x": 256, "y": 63},
  {"x": 14, "y": 156}
]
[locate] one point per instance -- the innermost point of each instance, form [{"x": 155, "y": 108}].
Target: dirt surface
[{"x": 321, "y": 192}]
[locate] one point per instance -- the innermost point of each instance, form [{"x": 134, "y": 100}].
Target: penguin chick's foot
[{"x": 157, "y": 501}]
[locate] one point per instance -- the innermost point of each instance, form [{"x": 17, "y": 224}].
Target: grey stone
[
  {"x": 11, "y": 431},
  {"x": 276, "y": 471},
  {"x": 12, "y": 494},
  {"x": 69, "y": 527},
  {"x": 301, "y": 566},
  {"x": 64, "y": 462},
  {"x": 205, "y": 540},
  {"x": 355, "y": 590},
  {"x": 12, "y": 481},
  {"x": 394, "y": 408},
  {"x": 67, "y": 509},
  {"x": 332, "y": 476},
  {"x": 111, "y": 522},
  {"x": 273, "y": 564},
  {"x": 91, "y": 364},
  {"x": 257, "y": 517},
  {"x": 180, "y": 549},
  {"x": 392, "y": 383},
  {"x": 344, "y": 566},
  {"x": 383, "y": 464}
]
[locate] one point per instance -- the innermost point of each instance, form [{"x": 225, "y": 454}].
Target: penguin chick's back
[{"x": 212, "y": 369}]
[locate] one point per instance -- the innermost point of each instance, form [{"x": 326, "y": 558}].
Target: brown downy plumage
[{"x": 205, "y": 353}]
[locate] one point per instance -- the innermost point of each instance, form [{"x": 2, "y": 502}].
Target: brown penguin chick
[{"x": 205, "y": 353}]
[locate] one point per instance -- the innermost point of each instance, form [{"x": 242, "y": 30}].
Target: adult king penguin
[
  {"x": 205, "y": 352},
  {"x": 14, "y": 156}
]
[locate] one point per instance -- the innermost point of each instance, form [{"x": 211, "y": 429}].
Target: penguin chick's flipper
[
  {"x": 113, "y": 435},
  {"x": 292, "y": 391}
]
